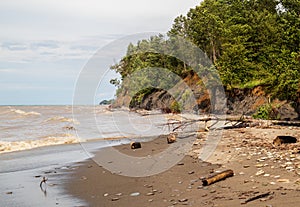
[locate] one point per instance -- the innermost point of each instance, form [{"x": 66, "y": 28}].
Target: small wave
[
  {"x": 62, "y": 119},
  {"x": 30, "y": 144},
  {"x": 24, "y": 113}
]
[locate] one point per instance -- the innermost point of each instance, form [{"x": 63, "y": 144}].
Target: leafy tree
[{"x": 250, "y": 42}]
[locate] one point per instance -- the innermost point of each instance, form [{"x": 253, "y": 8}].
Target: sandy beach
[{"x": 264, "y": 175}]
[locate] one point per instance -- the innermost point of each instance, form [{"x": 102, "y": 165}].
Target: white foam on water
[
  {"x": 62, "y": 119},
  {"x": 31, "y": 144},
  {"x": 24, "y": 113}
]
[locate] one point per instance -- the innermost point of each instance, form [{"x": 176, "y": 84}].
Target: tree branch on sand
[{"x": 231, "y": 122}]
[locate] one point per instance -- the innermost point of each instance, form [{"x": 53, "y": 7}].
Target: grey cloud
[
  {"x": 84, "y": 47},
  {"x": 50, "y": 44},
  {"x": 14, "y": 46}
]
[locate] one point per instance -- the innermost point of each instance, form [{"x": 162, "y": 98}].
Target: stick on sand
[{"x": 217, "y": 177}]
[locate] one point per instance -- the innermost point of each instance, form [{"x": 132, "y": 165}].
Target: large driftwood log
[
  {"x": 217, "y": 177},
  {"x": 236, "y": 122},
  {"x": 181, "y": 124},
  {"x": 286, "y": 123}
]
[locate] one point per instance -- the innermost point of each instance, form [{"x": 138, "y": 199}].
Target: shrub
[
  {"x": 267, "y": 112},
  {"x": 175, "y": 107}
]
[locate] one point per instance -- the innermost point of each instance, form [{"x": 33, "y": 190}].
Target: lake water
[
  {"x": 27, "y": 127},
  {"x": 35, "y": 139}
]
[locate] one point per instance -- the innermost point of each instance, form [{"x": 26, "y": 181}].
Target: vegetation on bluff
[{"x": 250, "y": 43}]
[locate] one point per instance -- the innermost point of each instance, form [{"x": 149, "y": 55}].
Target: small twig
[{"x": 257, "y": 197}]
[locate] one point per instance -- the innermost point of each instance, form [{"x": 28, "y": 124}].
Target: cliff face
[{"x": 239, "y": 101}]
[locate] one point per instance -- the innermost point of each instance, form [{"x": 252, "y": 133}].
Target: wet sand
[{"x": 259, "y": 167}]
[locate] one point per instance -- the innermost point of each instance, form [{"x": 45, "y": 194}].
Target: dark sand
[{"x": 259, "y": 168}]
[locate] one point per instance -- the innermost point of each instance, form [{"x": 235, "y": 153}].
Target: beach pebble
[
  {"x": 105, "y": 194},
  {"x": 259, "y": 165},
  {"x": 114, "y": 199},
  {"x": 194, "y": 181},
  {"x": 277, "y": 176},
  {"x": 183, "y": 200},
  {"x": 297, "y": 182},
  {"x": 261, "y": 172},
  {"x": 9, "y": 193},
  {"x": 283, "y": 180},
  {"x": 150, "y": 200},
  {"x": 135, "y": 194},
  {"x": 150, "y": 194},
  {"x": 119, "y": 194}
]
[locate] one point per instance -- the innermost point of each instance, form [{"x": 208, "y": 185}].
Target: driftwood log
[
  {"x": 135, "y": 145},
  {"x": 171, "y": 138},
  {"x": 279, "y": 140},
  {"x": 237, "y": 122},
  {"x": 217, "y": 177}
]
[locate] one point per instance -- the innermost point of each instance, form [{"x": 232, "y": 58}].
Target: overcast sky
[{"x": 44, "y": 44}]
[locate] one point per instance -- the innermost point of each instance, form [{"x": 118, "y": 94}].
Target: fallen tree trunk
[
  {"x": 240, "y": 122},
  {"x": 286, "y": 123},
  {"x": 217, "y": 177}
]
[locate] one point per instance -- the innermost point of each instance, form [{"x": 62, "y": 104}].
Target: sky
[{"x": 45, "y": 44}]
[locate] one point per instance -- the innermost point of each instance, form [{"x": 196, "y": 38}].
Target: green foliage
[
  {"x": 267, "y": 112},
  {"x": 106, "y": 102},
  {"x": 250, "y": 43},
  {"x": 175, "y": 107},
  {"x": 186, "y": 95},
  {"x": 139, "y": 96}
]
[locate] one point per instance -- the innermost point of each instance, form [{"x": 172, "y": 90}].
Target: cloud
[
  {"x": 50, "y": 44},
  {"x": 101, "y": 8},
  {"x": 47, "y": 50},
  {"x": 69, "y": 19},
  {"x": 50, "y": 41},
  {"x": 14, "y": 46}
]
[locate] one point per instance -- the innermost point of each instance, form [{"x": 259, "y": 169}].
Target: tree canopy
[{"x": 250, "y": 42}]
